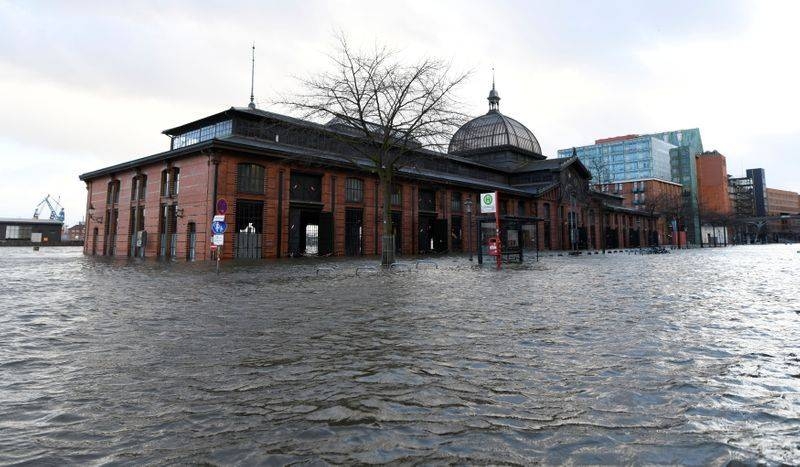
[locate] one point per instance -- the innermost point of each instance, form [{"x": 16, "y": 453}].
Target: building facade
[
  {"x": 14, "y": 231},
  {"x": 624, "y": 159},
  {"x": 759, "y": 190},
  {"x": 714, "y": 202},
  {"x": 292, "y": 188},
  {"x": 783, "y": 210}
]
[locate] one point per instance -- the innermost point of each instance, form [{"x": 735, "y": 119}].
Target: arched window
[
  {"x": 113, "y": 192},
  {"x": 138, "y": 187},
  {"x": 250, "y": 178}
]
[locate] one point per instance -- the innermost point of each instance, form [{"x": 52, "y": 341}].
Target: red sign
[
  {"x": 213, "y": 247},
  {"x": 493, "y": 244},
  {"x": 222, "y": 206}
]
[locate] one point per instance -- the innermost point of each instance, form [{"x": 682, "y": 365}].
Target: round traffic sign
[
  {"x": 222, "y": 206},
  {"x": 218, "y": 227}
]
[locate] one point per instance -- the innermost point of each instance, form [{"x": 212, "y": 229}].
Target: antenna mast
[{"x": 252, "y": 103}]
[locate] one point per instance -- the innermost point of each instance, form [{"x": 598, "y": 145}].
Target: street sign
[
  {"x": 218, "y": 240},
  {"x": 213, "y": 247},
  {"x": 218, "y": 227},
  {"x": 218, "y": 218},
  {"x": 488, "y": 203},
  {"x": 222, "y": 206}
]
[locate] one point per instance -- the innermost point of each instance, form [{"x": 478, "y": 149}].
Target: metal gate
[
  {"x": 353, "y": 229},
  {"x": 249, "y": 227}
]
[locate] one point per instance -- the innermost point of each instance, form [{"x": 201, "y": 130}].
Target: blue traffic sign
[{"x": 218, "y": 227}]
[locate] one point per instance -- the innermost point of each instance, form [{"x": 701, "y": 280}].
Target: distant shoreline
[{"x": 30, "y": 243}]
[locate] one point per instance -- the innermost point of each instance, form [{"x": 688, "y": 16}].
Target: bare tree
[
  {"x": 670, "y": 206},
  {"x": 387, "y": 111}
]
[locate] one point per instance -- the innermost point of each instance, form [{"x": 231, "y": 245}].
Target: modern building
[
  {"x": 759, "y": 190},
  {"x": 714, "y": 202},
  {"x": 624, "y": 159},
  {"x": 291, "y": 188},
  {"x": 688, "y": 145},
  {"x": 783, "y": 210},
  {"x": 750, "y": 228},
  {"x": 14, "y": 231}
]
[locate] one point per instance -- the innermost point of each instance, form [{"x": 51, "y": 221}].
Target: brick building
[
  {"x": 294, "y": 189},
  {"x": 783, "y": 208},
  {"x": 714, "y": 201}
]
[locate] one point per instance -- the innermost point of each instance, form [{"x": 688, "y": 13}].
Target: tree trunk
[{"x": 387, "y": 230}]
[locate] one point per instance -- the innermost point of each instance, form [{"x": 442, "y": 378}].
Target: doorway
[{"x": 249, "y": 229}]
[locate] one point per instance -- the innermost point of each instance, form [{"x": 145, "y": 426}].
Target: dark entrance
[
  {"x": 249, "y": 229},
  {"x": 310, "y": 231},
  {"x": 425, "y": 237},
  {"x": 353, "y": 232},
  {"x": 612, "y": 238},
  {"x": 455, "y": 234},
  {"x": 191, "y": 238},
  {"x": 397, "y": 229}
]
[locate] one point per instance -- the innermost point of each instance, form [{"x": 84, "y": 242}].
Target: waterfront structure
[
  {"x": 750, "y": 227},
  {"x": 759, "y": 190},
  {"x": 75, "y": 233},
  {"x": 624, "y": 159},
  {"x": 688, "y": 145},
  {"x": 667, "y": 156},
  {"x": 293, "y": 188},
  {"x": 783, "y": 210},
  {"x": 716, "y": 211},
  {"x": 16, "y": 231}
]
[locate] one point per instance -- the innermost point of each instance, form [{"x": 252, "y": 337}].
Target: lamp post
[{"x": 468, "y": 208}]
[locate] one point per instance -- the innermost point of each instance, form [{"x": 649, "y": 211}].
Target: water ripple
[{"x": 689, "y": 358}]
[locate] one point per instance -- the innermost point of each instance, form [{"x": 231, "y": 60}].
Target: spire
[
  {"x": 252, "y": 103},
  {"x": 494, "y": 97}
]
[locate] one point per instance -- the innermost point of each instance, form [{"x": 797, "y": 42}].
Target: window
[
  {"x": 520, "y": 208},
  {"x": 354, "y": 190},
  {"x": 546, "y": 211},
  {"x": 138, "y": 187},
  {"x": 305, "y": 187},
  {"x": 113, "y": 192},
  {"x": 217, "y": 130},
  {"x": 170, "y": 182},
  {"x": 12, "y": 231},
  {"x": 427, "y": 200},
  {"x": 397, "y": 195},
  {"x": 250, "y": 178},
  {"x": 455, "y": 201}
]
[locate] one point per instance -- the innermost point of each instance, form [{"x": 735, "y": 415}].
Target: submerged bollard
[
  {"x": 365, "y": 268},
  {"x": 325, "y": 268},
  {"x": 427, "y": 261}
]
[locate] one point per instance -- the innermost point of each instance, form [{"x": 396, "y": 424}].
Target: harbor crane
[{"x": 51, "y": 204}]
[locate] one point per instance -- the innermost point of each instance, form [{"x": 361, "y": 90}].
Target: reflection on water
[{"x": 688, "y": 358}]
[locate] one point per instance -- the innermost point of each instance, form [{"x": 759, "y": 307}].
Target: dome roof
[{"x": 493, "y": 131}]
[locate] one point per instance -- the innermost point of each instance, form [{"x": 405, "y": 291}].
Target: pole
[
  {"x": 469, "y": 230},
  {"x": 497, "y": 228}
]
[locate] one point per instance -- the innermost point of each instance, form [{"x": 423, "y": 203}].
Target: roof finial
[
  {"x": 494, "y": 97},
  {"x": 252, "y": 103}
]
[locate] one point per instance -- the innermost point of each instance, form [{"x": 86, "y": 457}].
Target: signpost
[
  {"x": 218, "y": 228},
  {"x": 489, "y": 205}
]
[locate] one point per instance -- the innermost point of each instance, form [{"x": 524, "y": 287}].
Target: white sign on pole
[
  {"x": 218, "y": 218},
  {"x": 218, "y": 239},
  {"x": 36, "y": 237},
  {"x": 488, "y": 203}
]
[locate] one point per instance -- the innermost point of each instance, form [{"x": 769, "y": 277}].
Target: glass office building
[{"x": 637, "y": 158}]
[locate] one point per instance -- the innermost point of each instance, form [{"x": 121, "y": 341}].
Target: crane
[{"x": 52, "y": 204}]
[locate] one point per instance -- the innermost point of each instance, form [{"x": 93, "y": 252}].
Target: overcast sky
[{"x": 85, "y": 85}]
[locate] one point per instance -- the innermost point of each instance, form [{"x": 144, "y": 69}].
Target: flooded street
[{"x": 687, "y": 358}]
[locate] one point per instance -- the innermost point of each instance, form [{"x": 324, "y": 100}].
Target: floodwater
[{"x": 687, "y": 358}]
